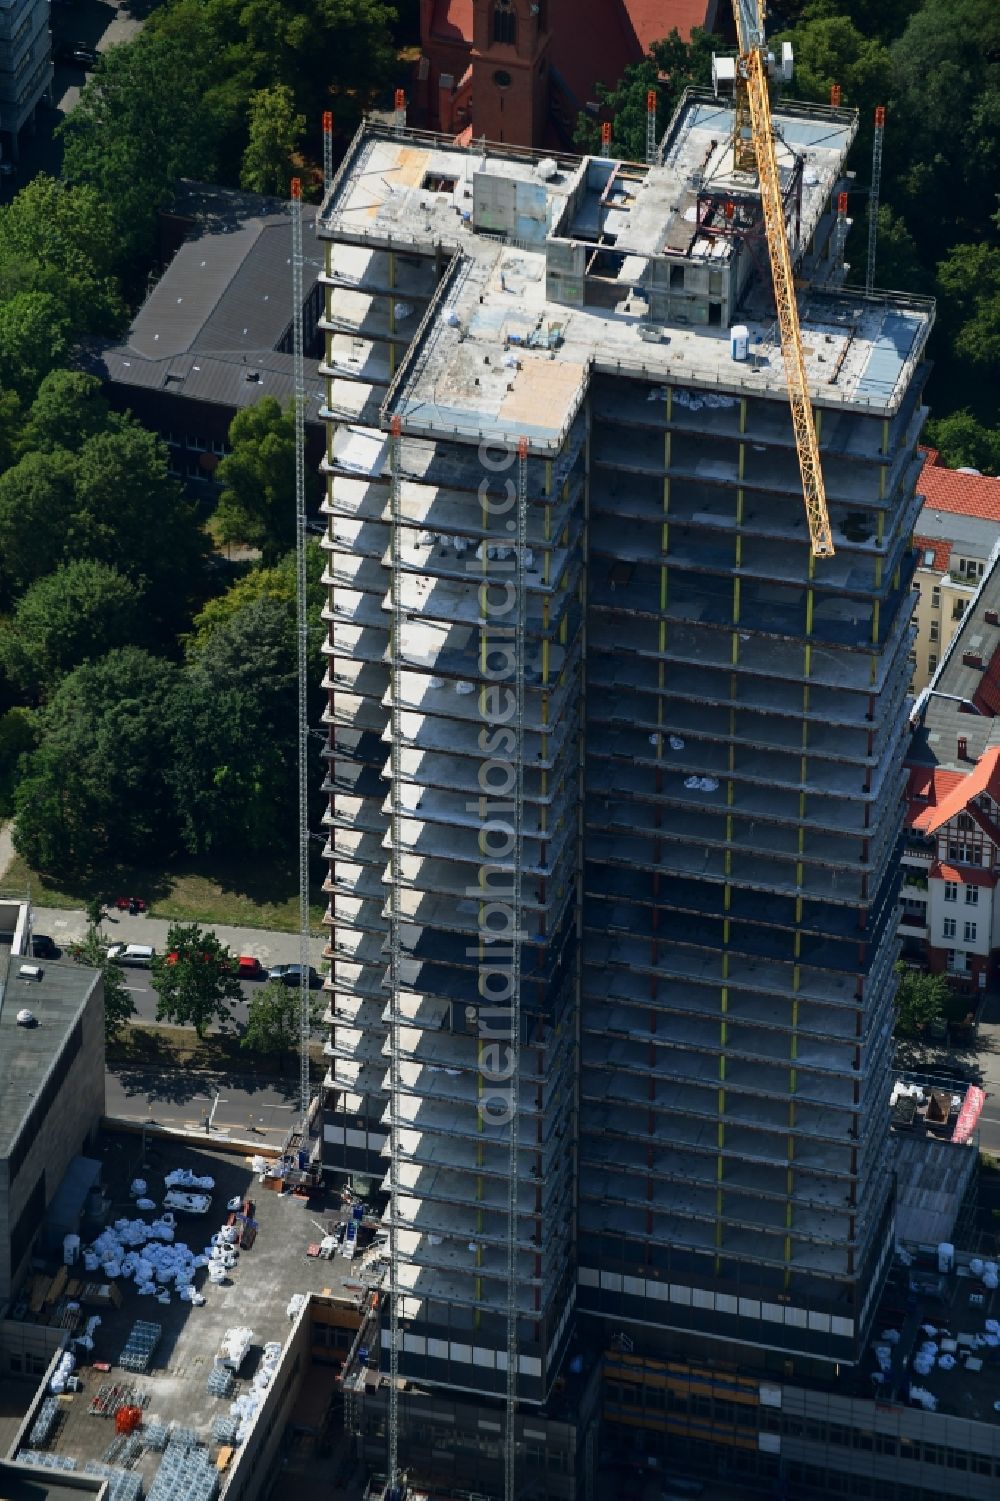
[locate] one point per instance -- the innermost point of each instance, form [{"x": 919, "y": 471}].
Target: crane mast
[{"x": 753, "y": 141}]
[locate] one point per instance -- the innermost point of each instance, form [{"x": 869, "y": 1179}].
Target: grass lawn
[{"x": 265, "y": 896}]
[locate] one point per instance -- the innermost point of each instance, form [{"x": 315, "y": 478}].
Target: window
[
  {"x": 932, "y": 662},
  {"x": 970, "y": 932},
  {"x": 958, "y": 609},
  {"x": 935, "y": 631},
  {"x": 951, "y": 891},
  {"x": 965, "y": 854},
  {"x": 972, "y": 896},
  {"x": 502, "y": 78},
  {"x": 949, "y": 927},
  {"x": 505, "y": 23},
  {"x": 935, "y": 598},
  {"x": 965, "y": 822}
]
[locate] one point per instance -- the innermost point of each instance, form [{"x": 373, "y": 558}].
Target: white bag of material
[
  {"x": 137, "y": 1187},
  {"x": 90, "y": 1261},
  {"x": 145, "y": 1203}
]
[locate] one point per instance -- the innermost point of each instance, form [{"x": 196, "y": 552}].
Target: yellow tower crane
[{"x": 753, "y": 142}]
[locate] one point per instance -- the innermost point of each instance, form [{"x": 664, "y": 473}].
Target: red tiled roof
[
  {"x": 964, "y": 875},
  {"x": 452, "y": 20},
  {"x": 940, "y": 548},
  {"x": 652, "y": 20},
  {"x": 984, "y": 777},
  {"x": 616, "y": 33},
  {"x": 959, "y": 494},
  {"x": 927, "y": 787}
]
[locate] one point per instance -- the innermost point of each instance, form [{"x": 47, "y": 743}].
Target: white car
[{"x": 186, "y": 1203}]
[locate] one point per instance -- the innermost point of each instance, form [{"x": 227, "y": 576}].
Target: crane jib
[{"x": 749, "y": 23}]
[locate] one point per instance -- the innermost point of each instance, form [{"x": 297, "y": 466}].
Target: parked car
[
  {"x": 77, "y": 52},
  {"x": 42, "y": 947},
  {"x": 131, "y": 904},
  {"x": 137, "y": 955},
  {"x": 186, "y": 1203},
  {"x": 289, "y": 974},
  {"x": 250, "y": 968}
]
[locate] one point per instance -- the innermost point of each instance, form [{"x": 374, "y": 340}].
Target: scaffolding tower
[
  {"x": 651, "y": 126},
  {"x": 302, "y": 662},
  {"x": 873, "y": 197}
]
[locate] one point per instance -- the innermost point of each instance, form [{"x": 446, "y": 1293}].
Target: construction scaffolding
[{"x": 302, "y": 656}]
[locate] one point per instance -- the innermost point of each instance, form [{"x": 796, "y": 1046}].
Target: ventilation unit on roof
[
  {"x": 253, "y": 376},
  {"x": 963, "y": 748},
  {"x": 971, "y": 659},
  {"x": 991, "y": 617}
]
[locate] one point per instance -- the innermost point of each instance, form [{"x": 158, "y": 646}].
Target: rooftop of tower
[{"x": 554, "y": 268}]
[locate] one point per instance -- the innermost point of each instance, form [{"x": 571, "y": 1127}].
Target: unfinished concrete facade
[{"x": 712, "y": 744}]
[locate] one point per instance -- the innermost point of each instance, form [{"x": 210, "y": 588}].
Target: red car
[{"x": 130, "y": 904}]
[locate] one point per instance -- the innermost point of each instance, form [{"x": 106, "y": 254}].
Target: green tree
[
  {"x": 76, "y": 614},
  {"x": 277, "y": 582},
  {"x": 671, "y": 67},
  {"x": 18, "y": 736},
  {"x": 275, "y": 133},
  {"x": 140, "y": 125},
  {"x": 832, "y": 49},
  {"x": 34, "y": 338},
  {"x": 943, "y": 128},
  {"x": 964, "y": 442},
  {"x": 94, "y": 792},
  {"x": 272, "y": 1019},
  {"x": 60, "y": 239},
  {"x": 235, "y": 736},
  {"x": 131, "y": 514},
  {"x": 194, "y": 979},
  {"x": 897, "y": 260},
  {"x": 884, "y": 19},
  {"x": 10, "y": 427},
  {"x": 36, "y": 511},
  {"x": 257, "y": 504},
  {"x": 920, "y": 1000},
  {"x": 68, "y": 409},
  {"x": 119, "y": 1007},
  {"x": 969, "y": 284}
]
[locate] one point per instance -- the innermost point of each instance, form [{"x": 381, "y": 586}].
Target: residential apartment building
[
  {"x": 951, "y": 860},
  {"x": 710, "y": 770},
  {"x": 955, "y": 537},
  {"x": 25, "y": 67}
]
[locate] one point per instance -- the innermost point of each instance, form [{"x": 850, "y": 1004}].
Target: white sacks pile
[
  {"x": 183, "y": 1177},
  {"x": 62, "y": 1371},
  {"x": 148, "y": 1256}
]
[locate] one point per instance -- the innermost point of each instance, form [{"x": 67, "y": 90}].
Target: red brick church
[{"x": 520, "y": 71}]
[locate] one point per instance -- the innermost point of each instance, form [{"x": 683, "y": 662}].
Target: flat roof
[
  {"x": 946, "y": 712},
  {"x": 27, "y": 1054},
  {"x": 256, "y": 1296},
  {"x": 496, "y": 354}
]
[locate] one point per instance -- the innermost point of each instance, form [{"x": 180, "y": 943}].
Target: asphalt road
[
  {"x": 235, "y": 1106},
  {"x": 138, "y": 983}
]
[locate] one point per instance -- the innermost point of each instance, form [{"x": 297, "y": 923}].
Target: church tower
[{"x": 510, "y": 70}]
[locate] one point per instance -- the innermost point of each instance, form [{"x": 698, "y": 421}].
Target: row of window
[
  {"x": 968, "y": 934},
  {"x": 971, "y": 893},
  {"x": 896, "y": 1445}
]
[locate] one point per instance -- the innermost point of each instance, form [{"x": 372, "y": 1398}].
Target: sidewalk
[{"x": 67, "y": 926}]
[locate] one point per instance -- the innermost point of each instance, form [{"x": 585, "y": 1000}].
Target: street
[
  {"x": 66, "y": 926},
  {"x": 235, "y": 1106}
]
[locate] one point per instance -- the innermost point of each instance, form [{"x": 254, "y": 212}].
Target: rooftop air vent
[
  {"x": 26, "y": 1018},
  {"x": 30, "y": 971},
  {"x": 991, "y": 617},
  {"x": 971, "y": 659}
]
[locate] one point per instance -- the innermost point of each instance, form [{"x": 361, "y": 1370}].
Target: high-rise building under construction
[{"x": 559, "y": 383}]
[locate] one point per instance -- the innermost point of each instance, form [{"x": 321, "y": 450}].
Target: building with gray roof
[{"x": 215, "y": 333}]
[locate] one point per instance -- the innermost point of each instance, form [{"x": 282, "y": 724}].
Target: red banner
[{"x": 969, "y": 1114}]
